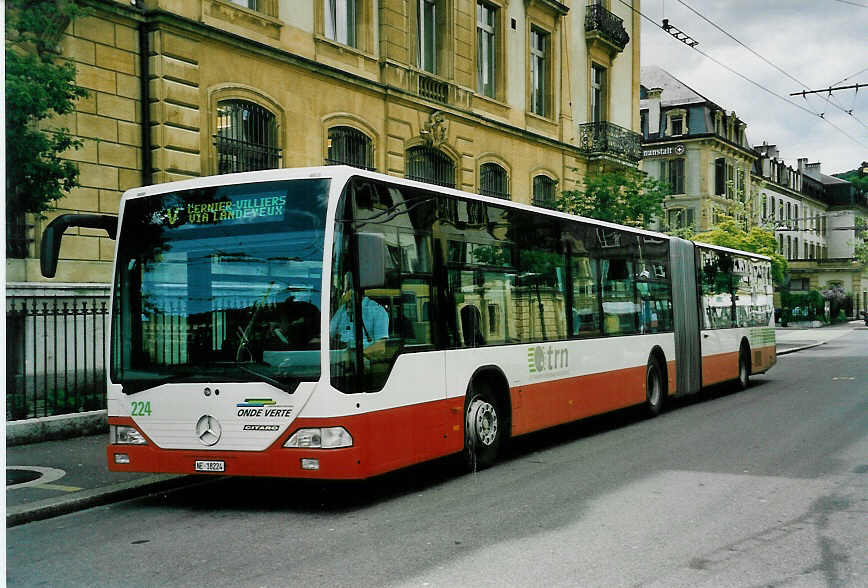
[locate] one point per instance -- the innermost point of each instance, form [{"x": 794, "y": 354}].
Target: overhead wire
[
  {"x": 796, "y": 80},
  {"x": 852, "y": 3},
  {"x": 747, "y": 79},
  {"x": 852, "y": 75}
]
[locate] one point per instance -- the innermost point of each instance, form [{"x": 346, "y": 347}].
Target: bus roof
[{"x": 343, "y": 173}]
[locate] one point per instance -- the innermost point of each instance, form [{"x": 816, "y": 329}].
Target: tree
[
  {"x": 627, "y": 198},
  {"x": 38, "y": 87},
  {"x": 731, "y": 233},
  {"x": 860, "y": 251},
  {"x": 860, "y": 183}
]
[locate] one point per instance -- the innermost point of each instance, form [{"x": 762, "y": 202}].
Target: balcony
[
  {"x": 608, "y": 140},
  {"x": 603, "y": 27}
]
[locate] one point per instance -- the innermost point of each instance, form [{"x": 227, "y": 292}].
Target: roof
[
  {"x": 675, "y": 92},
  {"x": 832, "y": 179}
]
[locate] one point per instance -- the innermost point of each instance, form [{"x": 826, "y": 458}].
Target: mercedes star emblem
[{"x": 208, "y": 430}]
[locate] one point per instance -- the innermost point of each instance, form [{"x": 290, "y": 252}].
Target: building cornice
[{"x": 748, "y": 152}]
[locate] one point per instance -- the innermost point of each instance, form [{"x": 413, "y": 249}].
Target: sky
[{"x": 817, "y": 43}]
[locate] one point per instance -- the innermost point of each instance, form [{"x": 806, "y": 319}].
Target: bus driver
[{"x": 375, "y": 325}]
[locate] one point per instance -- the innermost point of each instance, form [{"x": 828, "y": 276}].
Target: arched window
[
  {"x": 544, "y": 191},
  {"x": 246, "y": 137},
  {"x": 349, "y": 146},
  {"x": 493, "y": 181},
  {"x": 426, "y": 164}
]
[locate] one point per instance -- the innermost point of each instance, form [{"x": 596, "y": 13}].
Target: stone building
[
  {"x": 512, "y": 98},
  {"x": 698, "y": 148}
]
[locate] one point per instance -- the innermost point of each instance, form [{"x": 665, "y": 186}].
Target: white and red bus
[{"x": 336, "y": 323}]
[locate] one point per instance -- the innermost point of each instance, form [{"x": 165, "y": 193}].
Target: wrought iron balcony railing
[
  {"x": 607, "y": 25},
  {"x": 605, "y": 138}
]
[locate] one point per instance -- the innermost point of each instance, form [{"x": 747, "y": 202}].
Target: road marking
[
  {"x": 59, "y": 487},
  {"x": 48, "y": 475}
]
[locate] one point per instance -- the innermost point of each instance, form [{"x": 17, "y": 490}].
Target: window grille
[
  {"x": 426, "y": 164},
  {"x": 349, "y": 146},
  {"x": 544, "y": 191},
  {"x": 493, "y": 181},
  {"x": 246, "y": 138}
]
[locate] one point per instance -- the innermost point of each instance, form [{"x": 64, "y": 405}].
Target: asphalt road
[{"x": 767, "y": 487}]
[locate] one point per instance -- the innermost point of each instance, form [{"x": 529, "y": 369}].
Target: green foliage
[
  {"x": 627, "y": 198},
  {"x": 730, "y": 233},
  {"x": 860, "y": 184},
  {"x": 861, "y": 246},
  {"x": 811, "y": 305},
  {"x": 38, "y": 88}
]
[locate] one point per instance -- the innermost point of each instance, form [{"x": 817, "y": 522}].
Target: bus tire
[
  {"x": 653, "y": 388},
  {"x": 483, "y": 427},
  {"x": 743, "y": 368}
]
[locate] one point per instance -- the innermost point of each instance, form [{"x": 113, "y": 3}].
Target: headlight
[
  {"x": 121, "y": 435},
  {"x": 325, "y": 438}
]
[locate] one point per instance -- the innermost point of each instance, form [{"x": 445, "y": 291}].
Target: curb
[
  {"x": 794, "y": 349},
  {"x": 56, "y": 427},
  {"x": 53, "y": 507}
]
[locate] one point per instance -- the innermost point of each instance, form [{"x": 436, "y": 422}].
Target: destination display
[{"x": 257, "y": 208}]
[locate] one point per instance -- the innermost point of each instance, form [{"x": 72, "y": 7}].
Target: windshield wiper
[{"x": 288, "y": 388}]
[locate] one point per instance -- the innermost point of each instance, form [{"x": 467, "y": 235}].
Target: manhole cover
[{"x": 16, "y": 476}]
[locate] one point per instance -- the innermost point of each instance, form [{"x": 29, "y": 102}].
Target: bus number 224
[{"x": 141, "y": 408}]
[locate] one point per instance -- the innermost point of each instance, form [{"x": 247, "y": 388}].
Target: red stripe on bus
[
  {"x": 763, "y": 359},
  {"x": 719, "y": 368},
  {"x": 546, "y": 404}
]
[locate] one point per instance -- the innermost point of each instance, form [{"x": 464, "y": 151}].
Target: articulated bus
[{"x": 336, "y": 323}]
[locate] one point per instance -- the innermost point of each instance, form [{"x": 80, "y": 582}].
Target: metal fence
[{"x": 56, "y": 355}]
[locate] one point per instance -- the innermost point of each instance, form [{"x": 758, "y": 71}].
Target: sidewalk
[
  {"x": 52, "y": 478},
  {"x": 792, "y": 339}
]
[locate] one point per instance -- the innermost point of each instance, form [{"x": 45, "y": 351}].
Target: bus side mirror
[
  {"x": 53, "y": 233},
  {"x": 372, "y": 260}
]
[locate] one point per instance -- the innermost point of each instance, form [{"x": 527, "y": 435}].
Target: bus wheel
[
  {"x": 743, "y": 369},
  {"x": 653, "y": 388},
  {"x": 483, "y": 429}
]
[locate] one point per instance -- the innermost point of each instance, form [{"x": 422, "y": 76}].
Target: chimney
[
  {"x": 801, "y": 163},
  {"x": 654, "y": 99},
  {"x": 813, "y": 170}
]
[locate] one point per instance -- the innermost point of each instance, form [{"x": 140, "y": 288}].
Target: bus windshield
[{"x": 220, "y": 284}]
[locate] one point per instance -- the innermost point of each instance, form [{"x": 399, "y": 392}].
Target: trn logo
[{"x": 544, "y": 359}]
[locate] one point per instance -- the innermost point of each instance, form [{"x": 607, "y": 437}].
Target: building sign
[{"x": 668, "y": 150}]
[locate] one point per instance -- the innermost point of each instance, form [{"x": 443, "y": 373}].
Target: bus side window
[{"x": 586, "y": 308}]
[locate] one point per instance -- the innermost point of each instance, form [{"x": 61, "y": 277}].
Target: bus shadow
[
  {"x": 255, "y": 494},
  {"x": 252, "y": 494}
]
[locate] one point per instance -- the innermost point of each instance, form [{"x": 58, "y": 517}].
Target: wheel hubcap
[{"x": 483, "y": 418}]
